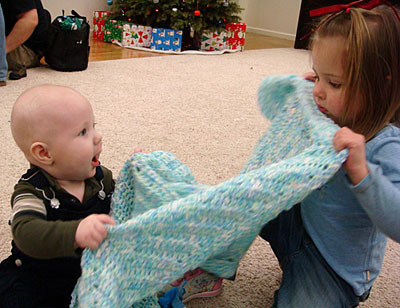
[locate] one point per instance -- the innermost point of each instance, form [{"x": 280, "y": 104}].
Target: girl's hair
[{"x": 371, "y": 66}]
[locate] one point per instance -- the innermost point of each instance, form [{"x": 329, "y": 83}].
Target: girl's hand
[
  {"x": 137, "y": 150},
  {"x": 310, "y": 76},
  {"x": 356, "y": 163}
]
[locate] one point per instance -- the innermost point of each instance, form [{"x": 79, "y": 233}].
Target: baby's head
[
  {"x": 367, "y": 45},
  {"x": 54, "y": 128}
]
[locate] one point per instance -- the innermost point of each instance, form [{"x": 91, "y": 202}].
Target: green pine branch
[{"x": 178, "y": 14}]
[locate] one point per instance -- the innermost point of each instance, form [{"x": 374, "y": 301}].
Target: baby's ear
[{"x": 40, "y": 153}]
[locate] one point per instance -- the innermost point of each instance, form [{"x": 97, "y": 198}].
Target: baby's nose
[{"x": 97, "y": 138}]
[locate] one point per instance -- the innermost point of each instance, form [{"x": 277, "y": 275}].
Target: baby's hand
[
  {"x": 356, "y": 163},
  {"x": 92, "y": 231}
]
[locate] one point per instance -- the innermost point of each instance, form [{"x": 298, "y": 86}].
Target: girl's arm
[
  {"x": 380, "y": 198},
  {"x": 375, "y": 183}
]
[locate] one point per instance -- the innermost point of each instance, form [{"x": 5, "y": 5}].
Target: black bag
[{"x": 68, "y": 49}]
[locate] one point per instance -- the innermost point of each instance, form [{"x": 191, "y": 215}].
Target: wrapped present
[
  {"x": 211, "y": 41},
  {"x": 99, "y": 20},
  {"x": 236, "y": 35},
  {"x": 136, "y": 35},
  {"x": 166, "y": 39},
  {"x": 113, "y": 30}
]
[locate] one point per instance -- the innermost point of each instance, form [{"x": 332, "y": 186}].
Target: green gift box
[{"x": 113, "y": 30}]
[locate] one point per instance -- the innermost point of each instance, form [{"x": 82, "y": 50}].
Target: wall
[
  {"x": 268, "y": 17},
  {"x": 271, "y": 17},
  {"x": 83, "y": 7}
]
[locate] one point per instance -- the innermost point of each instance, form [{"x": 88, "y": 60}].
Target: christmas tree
[{"x": 191, "y": 16}]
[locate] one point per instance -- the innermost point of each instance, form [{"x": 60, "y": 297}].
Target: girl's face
[{"x": 329, "y": 90}]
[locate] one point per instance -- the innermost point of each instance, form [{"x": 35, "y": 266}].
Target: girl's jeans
[
  {"x": 3, "y": 60},
  {"x": 307, "y": 280}
]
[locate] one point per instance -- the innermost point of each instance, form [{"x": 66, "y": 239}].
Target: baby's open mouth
[{"x": 95, "y": 161}]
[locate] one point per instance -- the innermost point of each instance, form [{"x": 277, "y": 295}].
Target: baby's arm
[
  {"x": 376, "y": 183},
  {"x": 39, "y": 238},
  {"x": 43, "y": 239}
]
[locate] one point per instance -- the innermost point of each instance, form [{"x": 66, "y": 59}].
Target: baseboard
[{"x": 267, "y": 32}]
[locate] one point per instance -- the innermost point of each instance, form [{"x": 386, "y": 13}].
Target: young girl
[{"x": 331, "y": 246}]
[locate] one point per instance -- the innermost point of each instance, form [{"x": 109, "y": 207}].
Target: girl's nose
[{"x": 318, "y": 91}]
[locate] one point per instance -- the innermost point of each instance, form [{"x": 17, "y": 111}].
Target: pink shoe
[{"x": 199, "y": 283}]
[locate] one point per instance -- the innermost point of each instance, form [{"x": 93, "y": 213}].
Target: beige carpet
[{"x": 202, "y": 109}]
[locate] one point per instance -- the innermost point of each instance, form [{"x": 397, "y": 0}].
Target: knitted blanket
[{"x": 168, "y": 224}]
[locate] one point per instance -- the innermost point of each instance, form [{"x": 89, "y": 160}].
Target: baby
[{"x": 61, "y": 205}]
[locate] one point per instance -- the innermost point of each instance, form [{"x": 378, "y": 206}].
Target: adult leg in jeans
[
  {"x": 307, "y": 280},
  {"x": 3, "y": 60}
]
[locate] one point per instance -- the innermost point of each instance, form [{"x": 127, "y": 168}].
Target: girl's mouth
[{"x": 322, "y": 109}]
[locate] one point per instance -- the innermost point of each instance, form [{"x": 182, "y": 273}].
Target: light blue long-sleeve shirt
[{"x": 349, "y": 224}]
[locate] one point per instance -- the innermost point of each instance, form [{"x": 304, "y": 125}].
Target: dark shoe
[
  {"x": 3, "y": 83},
  {"x": 16, "y": 75}
]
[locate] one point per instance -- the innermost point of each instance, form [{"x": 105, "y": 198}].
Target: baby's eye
[
  {"x": 94, "y": 124},
  {"x": 83, "y": 132}
]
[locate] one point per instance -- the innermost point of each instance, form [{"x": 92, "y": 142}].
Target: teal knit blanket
[{"x": 168, "y": 224}]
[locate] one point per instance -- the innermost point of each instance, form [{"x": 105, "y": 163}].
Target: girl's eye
[
  {"x": 83, "y": 132},
  {"x": 335, "y": 85}
]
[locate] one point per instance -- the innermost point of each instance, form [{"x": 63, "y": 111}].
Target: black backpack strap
[{"x": 74, "y": 13}]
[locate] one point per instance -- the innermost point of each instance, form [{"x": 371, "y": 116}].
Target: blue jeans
[
  {"x": 307, "y": 280},
  {"x": 3, "y": 59}
]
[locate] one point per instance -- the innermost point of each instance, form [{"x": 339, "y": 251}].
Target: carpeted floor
[{"x": 202, "y": 109}]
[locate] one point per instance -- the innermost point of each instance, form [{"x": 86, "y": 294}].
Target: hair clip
[{"x": 339, "y": 8}]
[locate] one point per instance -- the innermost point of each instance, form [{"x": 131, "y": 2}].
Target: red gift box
[
  {"x": 236, "y": 35},
  {"x": 98, "y": 24}
]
